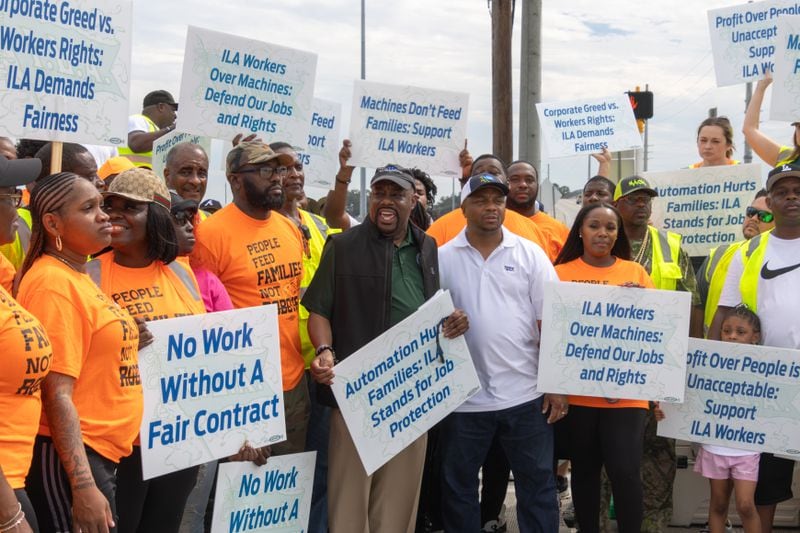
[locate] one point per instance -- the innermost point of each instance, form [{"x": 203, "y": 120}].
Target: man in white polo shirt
[{"x": 497, "y": 278}]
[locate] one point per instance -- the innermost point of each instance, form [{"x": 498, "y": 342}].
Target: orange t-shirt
[
  {"x": 259, "y": 262},
  {"x": 95, "y": 342},
  {"x": 554, "y": 231},
  {"x": 447, "y": 226},
  {"x": 26, "y": 361},
  {"x": 7, "y": 273},
  {"x": 153, "y": 292},
  {"x": 619, "y": 273}
]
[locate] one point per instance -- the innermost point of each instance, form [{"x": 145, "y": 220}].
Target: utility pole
[
  {"x": 362, "y": 198},
  {"x": 748, "y": 93},
  {"x": 502, "y": 125},
  {"x": 530, "y": 82}
]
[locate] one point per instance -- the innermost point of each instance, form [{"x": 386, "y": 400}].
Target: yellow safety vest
[
  {"x": 785, "y": 156},
  {"x": 15, "y": 251},
  {"x": 140, "y": 159},
  {"x": 715, "y": 273},
  {"x": 665, "y": 270},
  {"x": 182, "y": 272},
  {"x": 753, "y": 259}
]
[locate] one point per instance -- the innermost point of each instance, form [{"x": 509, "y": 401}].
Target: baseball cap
[
  {"x": 394, "y": 173},
  {"x": 481, "y": 181},
  {"x": 141, "y": 185},
  {"x": 114, "y": 165},
  {"x": 783, "y": 171},
  {"x": 633, "y": 184},
  {"x": 210, "y": 205},
  {"x": 159, "y": 97},
  {"x": 180, "y": 204},
  {"x": 15, "y": 172},
  {"x": 251, "y": 153}
]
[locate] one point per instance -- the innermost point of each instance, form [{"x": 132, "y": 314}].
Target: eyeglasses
[
  {"x": 182, "y": 217},
  {"x": 15, "y": 198},
  {"x": 264, "y": 172},
  {"x": 763, "y": 216}
]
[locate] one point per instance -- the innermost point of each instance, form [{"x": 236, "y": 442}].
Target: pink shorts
[{"x": 713, "y": 466}]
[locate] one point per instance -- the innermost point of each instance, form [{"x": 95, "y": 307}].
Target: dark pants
[
  {"x": 48, "y": 487},
  {"x": 153, "y": 505},
  {"x": 612, "y": 438},
  {"x": 527, "y": 440},
  {"x": 495, "y": 482},
  {"x": 319, "y": 426}
]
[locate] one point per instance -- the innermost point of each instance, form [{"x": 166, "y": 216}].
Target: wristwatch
[{"x": 322, "y": 347}]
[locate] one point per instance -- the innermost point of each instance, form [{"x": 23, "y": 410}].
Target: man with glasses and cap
[
  {"x": 13, "y": 173},
  {"x": 159, "y": 111},
  {"x": 370, "y": 278}
]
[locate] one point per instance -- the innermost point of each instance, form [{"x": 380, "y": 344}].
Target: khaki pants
[{"x": 386, "y": 501}]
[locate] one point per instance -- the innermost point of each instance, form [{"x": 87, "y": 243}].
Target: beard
[
  {"x": 262, "y": 199},
  {"x": 522, "y": 206}
]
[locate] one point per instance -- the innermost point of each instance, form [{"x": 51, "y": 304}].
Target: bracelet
[
  {"x": 322, "y": 347},
  {"x": 345, "y": 182},
  {"x": 17, "y": 520},
  {"x": 16, "y": 515}
]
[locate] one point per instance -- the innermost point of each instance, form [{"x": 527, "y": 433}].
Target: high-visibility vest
[
  {"x": 184, "y": 275},
  {"x": 752, "y": 259},
  {"x": 140, "y": 159},
  {"x": 716, "y": 270},
  {"x": 665, "y": 270},
  {"x": 15, "y": 251},
  {"x": 785, "y": 156}
]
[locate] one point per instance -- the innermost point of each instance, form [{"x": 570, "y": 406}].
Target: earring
[
  {"x": 58, "y": 243},
  {"x": 580, "y": 236}
]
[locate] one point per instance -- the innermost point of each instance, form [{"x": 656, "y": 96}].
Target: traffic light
[{"x": 642, "y": 104}]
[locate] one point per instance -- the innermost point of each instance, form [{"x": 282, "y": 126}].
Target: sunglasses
[{"x": 763, "y": 216}]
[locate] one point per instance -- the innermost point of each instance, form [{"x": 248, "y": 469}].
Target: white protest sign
[
  {"x": 785, "y": 104},
  {"x": 743, "y": 39},
  {"x": 614, "y": 342},
  {"x": 396, "y": 387},
  {"x": 408, "y": 126},
  {"x": 210, "y": 383},
  {"x": 587, "y": 126},
  {"x": 706, "y": 205},
  {"x": 66, "y": 67},
  {"x": 164, "y": 144},
  {"x": 739, "y": 395},
  {"x": 232, "y": 85},
  {"x": 272, "y": 497},
  {"x": 321, "y": 158}
]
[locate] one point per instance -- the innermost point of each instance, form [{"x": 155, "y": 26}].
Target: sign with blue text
[
  {"x": 67, "y": 69},
  {"x": 744, "y": 39},
  {"x": 408, "y": 126},
  {"x": 740, "y": 396},
  {"x": 232, "y": 85},
  {"x": 321, "y": 157},
  {"x": 582, "y": 127},
  {"x": 705, "y": 205},
  {"x": 400, "y": 384},
  {"x": 786, "y": 85},
  {"x": 273, "y": 497},
  {"x": 210, "y": 383},
  {"x": 614, "y": 342}
]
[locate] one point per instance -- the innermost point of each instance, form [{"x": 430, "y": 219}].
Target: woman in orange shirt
[
  {"x": 91, "y": 416},
  {"x": 140, "y": 274},
  {"x": 603, "y": 431}
]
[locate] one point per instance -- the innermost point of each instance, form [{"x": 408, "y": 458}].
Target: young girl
[{"x": 728, "y": 468}]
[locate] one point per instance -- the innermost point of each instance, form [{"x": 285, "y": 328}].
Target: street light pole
[{"x": 362, "y": 198}]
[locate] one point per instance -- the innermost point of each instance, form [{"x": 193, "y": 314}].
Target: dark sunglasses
[{"x": 763, "y": 216}]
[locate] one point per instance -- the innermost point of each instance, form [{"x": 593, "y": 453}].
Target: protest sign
[
  {"x": 396, "y": 387},
  {"x": 210, "y": 383},
  {"x": 587, "y": 126},
  {"x": 232, "y": 85},
  {"x": 67, "y": 70},
  {"x": 614, "y": 342},
  {"x": 739, "y": 395},
  {"x": 273, "y": 497},
  {"x": 408, "y": 126},
  {"x": 706, "y": 205},
  {"x": 321, "y": 157},
  {"x": 785, "y": 104},
  {"x": 165, "y": 143},
  {"x": 743, "y": 39}
]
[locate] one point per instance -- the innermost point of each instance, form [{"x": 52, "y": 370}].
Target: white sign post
[
  {"x": 165, "y": 143},
  {"x": 614, "y": 342},
  {"x": 274, "y": 497},
  {"x": 409, "y": 126},
  {"x": 232, "y": 85},
  {"x": 396, "y": 387},
  {"x": 786, "y": 85},
  {"x": 66, "y": 70},
  {"x": 321, "y": 158},
  {"x": 706, "y": 205},
  {"x": 210, "y": 383},
  {"x": 743, "y": 39},
  {"x": 587, "y": 126},
  {"x": 740, "y": 396}
]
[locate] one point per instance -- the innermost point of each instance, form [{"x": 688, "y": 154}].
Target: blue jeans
[
  {"x": 319, "y": 426},
  {"x": 527, "y": 440}
]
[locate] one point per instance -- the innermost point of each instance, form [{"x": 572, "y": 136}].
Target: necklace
[
  {"x": 63, "y": 260},
  {"x": 640, "y": 253}
]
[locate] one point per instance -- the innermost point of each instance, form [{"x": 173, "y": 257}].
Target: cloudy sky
[{"x": 589, "y": 49}]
